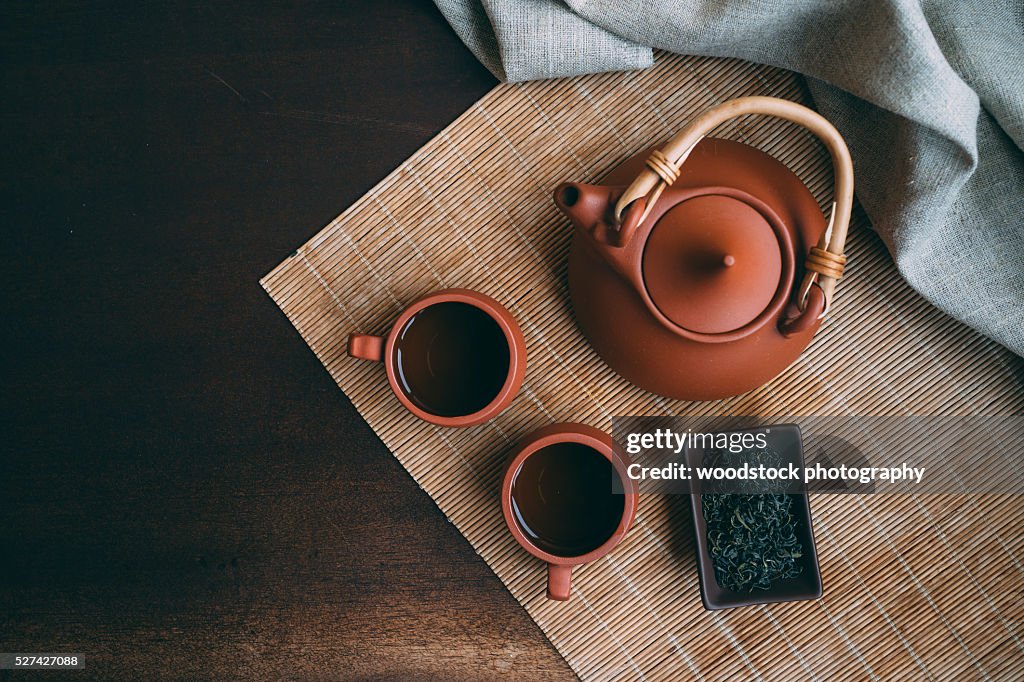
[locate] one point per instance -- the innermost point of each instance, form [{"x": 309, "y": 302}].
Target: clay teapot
[{"x": 709, "y": 273}]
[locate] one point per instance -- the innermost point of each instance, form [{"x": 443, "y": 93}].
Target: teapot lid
[{"x": 712, "y": 264}]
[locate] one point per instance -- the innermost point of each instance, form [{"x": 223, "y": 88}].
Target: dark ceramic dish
[{"x": 805, "y": 586}]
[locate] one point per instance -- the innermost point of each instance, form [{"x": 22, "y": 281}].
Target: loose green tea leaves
[{"x": 752, "y": 540}]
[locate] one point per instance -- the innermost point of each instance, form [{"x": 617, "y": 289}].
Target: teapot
[{"x": 709, "y": 273}]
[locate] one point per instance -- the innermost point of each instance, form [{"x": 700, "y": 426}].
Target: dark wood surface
[{"x": 184, "y": 492}]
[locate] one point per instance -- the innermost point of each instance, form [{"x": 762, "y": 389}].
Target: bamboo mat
[{"x": 915, "y": 586}]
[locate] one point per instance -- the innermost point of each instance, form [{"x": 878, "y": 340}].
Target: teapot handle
[{"x": 825, "y": 262}]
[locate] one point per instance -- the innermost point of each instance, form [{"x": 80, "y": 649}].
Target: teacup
[
  {"x": 561, "y": 501},
  {"x": 454, "y": 357}
]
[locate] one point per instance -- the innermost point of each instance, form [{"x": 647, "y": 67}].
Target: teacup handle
[
  {"x": 824, "y": 264},
  {"x": 366, "y": 347},
  {"x": 559, "y": 582}
]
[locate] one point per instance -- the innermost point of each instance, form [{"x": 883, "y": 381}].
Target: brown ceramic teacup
[
  {"x": 561, "y": 501},
  {"x": 454, "y": 357}
]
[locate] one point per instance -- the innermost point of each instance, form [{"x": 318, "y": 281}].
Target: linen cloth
[{"x": 929, "y": 96}]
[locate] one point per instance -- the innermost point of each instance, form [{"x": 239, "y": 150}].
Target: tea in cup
[
  {"x": 567, "y": 499},
  {"x": 454, "y": 358}
]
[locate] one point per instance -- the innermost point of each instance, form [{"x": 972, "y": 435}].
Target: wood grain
[{"x": 184, "y": 493}]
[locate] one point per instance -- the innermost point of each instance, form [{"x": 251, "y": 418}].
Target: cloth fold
[{"x": 929, "y": 96}]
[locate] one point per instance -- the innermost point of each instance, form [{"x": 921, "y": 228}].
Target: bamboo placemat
[{"x": 917, "y": 587}]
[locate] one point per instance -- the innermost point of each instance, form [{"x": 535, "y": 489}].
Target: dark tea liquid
[
  {"x": 562, "y": 499},
  {"x": 451, "y": 359}
]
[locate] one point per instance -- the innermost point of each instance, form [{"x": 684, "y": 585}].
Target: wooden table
[{"x": 184, "y": 492}]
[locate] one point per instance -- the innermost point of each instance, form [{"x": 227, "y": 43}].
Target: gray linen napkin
[{"x": 929, "y": 95}]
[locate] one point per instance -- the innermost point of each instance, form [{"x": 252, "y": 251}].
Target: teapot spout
[{"x": 585, "y": 205}]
